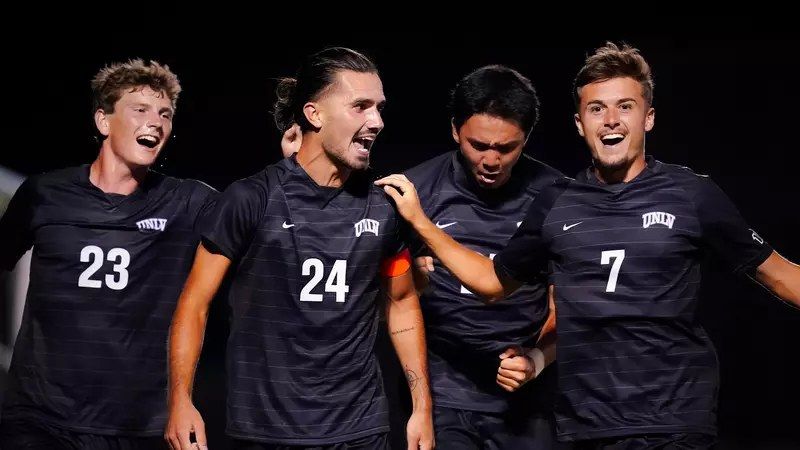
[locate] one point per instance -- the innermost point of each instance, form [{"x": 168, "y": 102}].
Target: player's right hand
[
  {"x": 516, "y": 369},
  {"x": 402, "y": 190},
  {"x": 184, "y": 419}
]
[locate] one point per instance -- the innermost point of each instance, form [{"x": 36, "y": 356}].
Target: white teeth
[
  {"x": 361, "y": 147},
  {"x": 613, "y": 136},
  {"x": 364, "y": 143},
  {"x": 149, "y": 138}
]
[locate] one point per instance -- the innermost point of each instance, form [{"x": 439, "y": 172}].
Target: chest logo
[
  {"x": 657, "y": 217},
  {"x": 152, "y": 224},
  {"x": 366, "y": 226}
]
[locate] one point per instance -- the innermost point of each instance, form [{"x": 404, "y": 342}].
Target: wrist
[
  {"x": 421, "y": 402},
  {"x": 537, "y": 358},
  {"x": 179, "y": 397}
]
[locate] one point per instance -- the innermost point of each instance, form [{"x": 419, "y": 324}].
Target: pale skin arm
[
  {"x": 474, "y": 270},
  {"x": 781, "y": 277},
  {"x": 407, "y": 332},
  {"x": 516, "y": 368},
  {"x": 185, "y": 343}
]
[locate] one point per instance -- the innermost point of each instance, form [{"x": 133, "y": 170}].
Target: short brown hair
[
  {"x": 112, "y": 81},
  {"x": 611, "y": 61}
]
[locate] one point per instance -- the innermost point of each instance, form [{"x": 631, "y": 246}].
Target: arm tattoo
[
  {"x": 413, "y": 379},
  {"x": 402, "y": 331}
]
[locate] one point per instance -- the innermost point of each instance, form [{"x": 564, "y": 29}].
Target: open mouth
[
  {"x": 488, "y": 178},
  {"x": 612, "y": 139},
  {"x": 364, "y": 143},
  {"x": 148, "y": 141}
]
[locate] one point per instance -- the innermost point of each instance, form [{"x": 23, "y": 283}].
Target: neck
[
  {"x": 319, "y": 166},
  {"x": 622, "y": 174},
  {"x": 113, "y": 176}
]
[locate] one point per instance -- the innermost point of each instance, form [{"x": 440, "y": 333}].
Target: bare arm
[
  {"x": 547, "y": 337},
  {"x": 780, "y": 276},
  {"x": 474, "y": 270},
  {"x": 517, "y": 368},
  {"x": 185, "y": 342},
  {"x": 407, "y": 331}
]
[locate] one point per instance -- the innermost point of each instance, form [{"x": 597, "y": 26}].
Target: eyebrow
[
  {"x": 382, "y": 103},
  {"x": 622, "y": 100},
  {"x": 476, "y": 142}
]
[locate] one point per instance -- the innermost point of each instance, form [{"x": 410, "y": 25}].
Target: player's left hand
[
  {"x": 419, "y": 431},
  {"x": 516, "y": 369}
]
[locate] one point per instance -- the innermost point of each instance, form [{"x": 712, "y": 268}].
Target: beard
[{"x": 345, "y": 158}]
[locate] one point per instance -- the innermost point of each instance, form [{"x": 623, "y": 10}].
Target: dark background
[{"x": 726, "y": 99}]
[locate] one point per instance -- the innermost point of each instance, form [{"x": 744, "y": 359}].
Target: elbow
[
  {"x": 490, "y": 298},
  {"x": 489, "y": 292}
]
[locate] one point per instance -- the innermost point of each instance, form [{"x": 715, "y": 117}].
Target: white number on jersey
[
  {"x": 605, "y": 258},
  {"x": 94, "y": 254},
  {"x": 336, "y": 282}
]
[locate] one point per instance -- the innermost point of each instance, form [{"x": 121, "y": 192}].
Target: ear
[
  {"x": 101, "y": 122},
  {"x": 579, "y": 125},
  {"x": 313, "y": 114},
  {"x": 650, "y": 119},
  {"x": 454, "y": 131}
]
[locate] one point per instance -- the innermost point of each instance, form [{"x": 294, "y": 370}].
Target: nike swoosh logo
[
  {"x": 570, "y": 226},
  {"x": 444, "y": 225},
  {"x": 286, "y": 225}
]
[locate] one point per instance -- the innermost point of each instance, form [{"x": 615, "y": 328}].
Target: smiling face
[
  {"x": 492, "y": 146},
  {"x": 613, "y": 118},
  {"x": 138, "y": 128}
]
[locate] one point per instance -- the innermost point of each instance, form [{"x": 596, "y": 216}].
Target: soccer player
[
  {"x": 112, "y": 244},
  {"x": 626, "y": 239},
  {"x": 310, "y": 242},
  {"x": 478, "y": 194}
]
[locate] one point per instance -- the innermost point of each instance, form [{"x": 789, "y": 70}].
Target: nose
[
  {"x": 611, "y": 118},
  {"x": 491, "y": 160},
  {"x": 374, "y": 120},
  {"x": 154, "y": 120}
]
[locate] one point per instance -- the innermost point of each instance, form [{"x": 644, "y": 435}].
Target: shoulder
[
  {"x": 697, "y": 186},
  {"x": 537, "y": 174},
  {"x": 429, "y": 169}
]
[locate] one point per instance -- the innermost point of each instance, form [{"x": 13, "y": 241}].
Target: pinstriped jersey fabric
[
  {"x": 106, "y": 273},
  {"x": 301, "y": 368},
  {"x": 465, "y": 337},
  {"x": 632, "y": 358}
]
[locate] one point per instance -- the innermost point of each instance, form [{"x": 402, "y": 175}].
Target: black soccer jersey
[
  {"x": 105, "y": 276},
  {"x": 301, "y": 368},
  {"x": 465, "y": 338},
  {"x": 632, "y": 358}
]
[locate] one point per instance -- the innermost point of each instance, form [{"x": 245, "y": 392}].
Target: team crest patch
[
  {"x": 366, "y": 226},
  {"x": 151, "y": 225},
  {"x": 658, "y": 218}
]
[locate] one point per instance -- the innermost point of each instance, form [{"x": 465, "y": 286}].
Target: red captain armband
[{"x": 396, "y": 265}]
